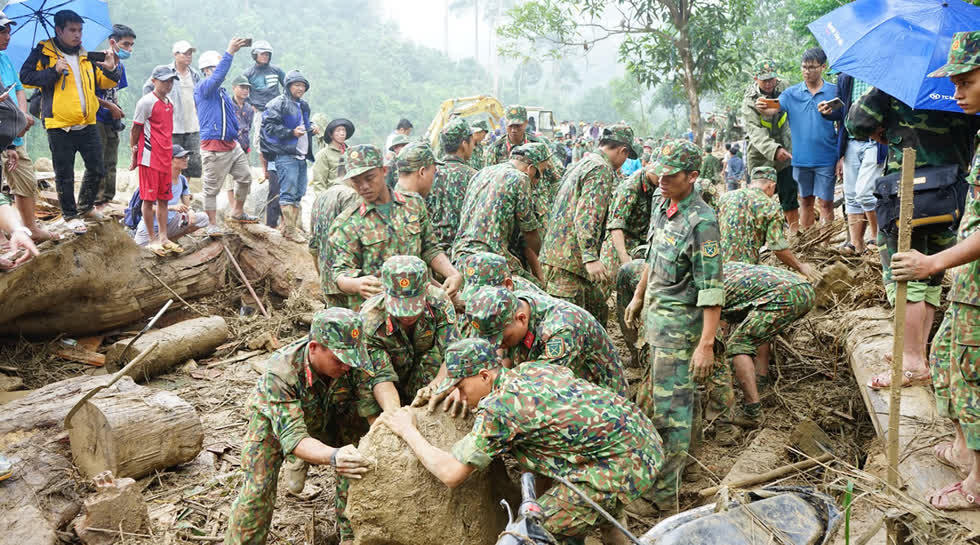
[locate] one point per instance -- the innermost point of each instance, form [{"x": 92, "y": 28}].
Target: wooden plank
[{"x": 868, "y": 334}]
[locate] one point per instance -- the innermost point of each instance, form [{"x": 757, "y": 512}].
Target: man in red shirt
[{"x": 152, "y": 144}]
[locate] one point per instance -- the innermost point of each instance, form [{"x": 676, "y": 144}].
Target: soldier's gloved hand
[
  {"x": 597, "y": 272},
  {"x": 349, "y": 462},
  {"x": 632, "y": 313}
]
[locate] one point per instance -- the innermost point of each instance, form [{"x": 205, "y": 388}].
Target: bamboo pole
[{"x": 895, "y": 402}]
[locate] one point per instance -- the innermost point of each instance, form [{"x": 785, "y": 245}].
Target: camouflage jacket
[
  {"x": 478, "y": 157},
  {"x": 750, "y": 220},
  {"x": 753, "y": 286},
  {"x": 499, "y": 151},
  {"x": 328, "y": 205},
  {"x": 327, "y": 167},
  {"x": 766, "y": 133},
  {"x": 965, "y": 287},
  {"x": 446, "y": 198},
  {"x": 557, "y": 425},
  {"x": 711, "y": 169},
  {"x": 499, "y": 202},
  {"x": 630, "y": 208},
  {"x": 363, "y": 237},
  {"x": 415, "y": 356},
  {"x": 299, "y": 403},
  {"x": 578, "y": 217},
  {"x": 685, "y": 268},
  {"x": 939, "y": 138}
]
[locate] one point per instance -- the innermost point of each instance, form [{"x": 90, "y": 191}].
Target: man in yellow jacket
[{"x": 68, "y": 77}]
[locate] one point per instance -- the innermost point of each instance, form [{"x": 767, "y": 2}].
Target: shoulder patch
[
  {"x": 554, "y": 348},
  {"x": 709, "y": 248}
]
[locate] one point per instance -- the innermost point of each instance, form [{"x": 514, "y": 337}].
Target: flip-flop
[
  {"x": 908, "y": 380},
  {"x": 957, "y": 499},
  {"x": 944, "y": 452},
  {"x": 244, "y": 218},
  {"x": 871, "y": 242},
  {"x": 173, "y": 247},
  {"x": 77, "y": 226},
  {"x": 158, "y": 249}
]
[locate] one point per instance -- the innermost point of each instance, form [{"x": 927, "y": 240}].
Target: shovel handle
[{"x": 115, "y": 378}]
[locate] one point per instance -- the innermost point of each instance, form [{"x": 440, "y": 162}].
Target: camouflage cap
[
  {"x": 414, "y": 156},
  {"x": 764, "y": 173},
  {"x": 675, "y": 156},
  {"x": 240, "y": 81},
  {"x": 623, "y": 134},
  {"x": 466, "y": 358},
  {"x": 482, "y": 269},
  {"x": 516, "y": 114},
  {"x": 534, "y": 152},
  {"x": 488, "y": 311},
  {"x": 455, "y": 132},
  {"x": 340, "y": 330},
  {"x": 398, "y": 139},
  {"x": 964, "y": 55},
  {"x": 765, "y": 69},
  {"x": 480, "y": 125},
  {"x": 360, "y": 159},
  {"x": 404, "y": 278}
]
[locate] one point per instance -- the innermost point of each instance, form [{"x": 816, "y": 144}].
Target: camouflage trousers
[
  {"x": 939, "y": 364},
  {"x": 964, "y": 370},
  {"x": 577, "y": 290},
  {"x": 667, "y": 397},
  {"x": 626, "y": 281},
  {"x": 569, "y": 518},
  {"x": 762, "y": 323},
  {"x": 251, "y": 513}
]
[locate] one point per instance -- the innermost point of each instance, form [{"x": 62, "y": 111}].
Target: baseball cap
[
  {"x": 964, "y": 55},
  {"x": 765, "y": 69},
  {"x": 466, "y": 358},
  {"x": 360, "y": 159},
  {"x": 404, "y": 278},
  {"x": 456, "y": 131},
  {"x": 516, "y": 115},
  {"x": 535, "y": 152},
  {"x": 4, "y": 20},
  {"x": 183, "y": 46},
  {"x": 488, "y": 311},
  {"x": 179, "y": 151},
  {"x": 398, "y": 140},
  {"x": 240, "y": 80},
  {"x": 414, "y": 156},
  {"x": 675, "y": 156},
  {"x": 340, "y": 329},
  {"x": 764, "y": 173},
  {"x": 623, "y": 134},
  {"x": 482, "y": 269},
  {"x": 164, "y": 72}
]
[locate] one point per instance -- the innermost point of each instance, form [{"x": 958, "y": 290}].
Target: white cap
[{"x": 182, "y": 47}]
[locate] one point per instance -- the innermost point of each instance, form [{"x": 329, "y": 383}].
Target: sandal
[
  {"x": 847, "y": 248},
  {"x": 244, "y": 218},
  {"x": 173, "y": 247},
  {"x": 77, "y": 226},
  {"x": 944, "y": 453},
  {"x": 871, "y": 242},
  {"x": 214, "y": 231},
  {"x": 956, "y": 499},
  {"x": 883, "y": 380},
  {"x": 158, "y": 249}
]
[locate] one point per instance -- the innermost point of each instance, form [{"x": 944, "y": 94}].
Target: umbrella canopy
[
  {"x": 35, "y": 22},
  {"x": 893, "y": 44}
]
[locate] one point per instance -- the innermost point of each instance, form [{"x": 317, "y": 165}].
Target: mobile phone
[
  {"x": 96, "y": 56},
  {"x": 248, "y": 42},
  {"x": 771, "y": 102},
  {"x": 835, "y": 104}
]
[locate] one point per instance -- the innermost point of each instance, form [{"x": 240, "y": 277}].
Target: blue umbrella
[
  {"x": 35, "y": 22},
  {"x": 893, "y": 44}
]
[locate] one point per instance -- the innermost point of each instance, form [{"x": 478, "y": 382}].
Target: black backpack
[{"x": 938, "y": 196}]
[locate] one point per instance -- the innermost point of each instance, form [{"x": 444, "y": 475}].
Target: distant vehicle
[
  {"x": 474, "y": 108},
  {"x": 543, "y": 121}
]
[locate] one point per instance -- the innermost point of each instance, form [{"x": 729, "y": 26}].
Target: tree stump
[
  {"x": 190, "y": 339},
  {"x": 133, "y": 435}
]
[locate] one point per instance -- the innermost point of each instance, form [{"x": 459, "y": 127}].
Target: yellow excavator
[{"x": 472, "y": 108}]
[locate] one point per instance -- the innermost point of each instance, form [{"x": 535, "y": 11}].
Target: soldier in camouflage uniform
[
  {"x": 769, "y": 140},
  {"x": 680, "y": 299},
  {"x": 398, "y": 141},
  {"x": 314, "y": 393},
  {"x": 939, "y": 138},
  {"x": 590, "y": 436},
  {"x": 956, "y": 347},
  {"x": 452, "y": 178},
  {"x": 710, "y": 168},
  {"x": 409, "y": 326},
  {"x": 516, "y": 120},
  {"x": 386, "y": 223},
  {"x": 480, "y": 130},
  {"x": 416, "y": 165},
  {"x": 486, "y": 269},
  {"x": 533, "y": 327},
  {"x": 578, "y": 225},
  {"x": 499, "y": 204},
  {"x": 750, "y": 219},
  {"x": 647, "y": 152},
  {"x": 329, "y": 204}
]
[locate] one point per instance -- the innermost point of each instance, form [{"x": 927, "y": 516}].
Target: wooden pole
[
  {"x": 895, "y": 402},
  {"x": 245, "y": 280}
]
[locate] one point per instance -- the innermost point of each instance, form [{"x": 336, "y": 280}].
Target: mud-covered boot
[
  {"x": 750, "y": 417},
  {"x": 295, "y": 473}
]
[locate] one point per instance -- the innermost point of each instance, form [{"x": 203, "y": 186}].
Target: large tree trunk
[
  {"x": 133, "y": 435},
  {"x": 102, "y": 280},
  {"x": 177, "y": 344}
]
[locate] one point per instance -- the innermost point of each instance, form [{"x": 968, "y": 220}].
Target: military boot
[
  {"x": 749, "y": 417},
  {"x": 295, "y": 470}
]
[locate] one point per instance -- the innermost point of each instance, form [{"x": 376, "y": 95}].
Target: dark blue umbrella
[
  {"x": 893, "y": 44},
  {"x": 35, "y": 22}
]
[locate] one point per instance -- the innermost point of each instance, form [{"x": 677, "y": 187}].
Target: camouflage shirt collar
[
  {"x": 396, "y": 198},
  {"x": 453, "y": 158},
  {"x": 391, "y": 325},
  {"x": 683, "y": 205}
]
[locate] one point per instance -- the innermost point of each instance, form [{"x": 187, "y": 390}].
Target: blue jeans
[
  {"x": 292, "y": 179},
  {"x": 815, "y": 182},
  {"x": 861, "y": 170}
]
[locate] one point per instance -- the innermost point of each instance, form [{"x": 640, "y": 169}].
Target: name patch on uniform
[
  {"x": 709, "y": 248},
  {"x": 554, "y": 348}
]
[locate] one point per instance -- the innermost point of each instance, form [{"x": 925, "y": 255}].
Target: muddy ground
[{"x": 190, "y": 503}]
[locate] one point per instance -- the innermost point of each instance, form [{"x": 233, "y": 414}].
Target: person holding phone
[{"x": 110, "y": 115}]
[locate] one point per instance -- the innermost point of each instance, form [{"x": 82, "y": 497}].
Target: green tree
[{"x": 690, "y": 43}]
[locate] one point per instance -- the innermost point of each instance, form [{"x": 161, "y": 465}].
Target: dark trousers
[
  {"x": 788, "y": 190},
  {"x": 64, "y": 145},
  {"x": 272, "y": 209},
  {"x": 110, "y": 156}
]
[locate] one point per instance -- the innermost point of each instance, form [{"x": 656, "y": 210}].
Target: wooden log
[
  {"x": 47, "y": 407},
  {"x": 190, "y": 339},
  {"x": 133, "y": 435},
  {"x": 770, "y": 475}
]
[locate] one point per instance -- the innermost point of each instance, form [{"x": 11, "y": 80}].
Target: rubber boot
[
  {"x": 291, "y": 220},
  {"x": 295, "y": 470}
]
